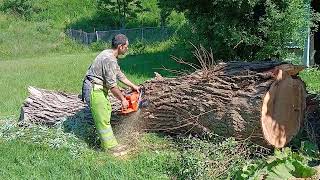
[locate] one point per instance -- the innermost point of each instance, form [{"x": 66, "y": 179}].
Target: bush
[{"x": 98, "y": 46}]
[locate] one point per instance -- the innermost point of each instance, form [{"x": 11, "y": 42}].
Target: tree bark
[{"x": 262, "y": 101}]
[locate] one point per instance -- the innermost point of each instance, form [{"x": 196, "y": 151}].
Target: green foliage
[
  {"x": 23, "y": 8},
  {"x": 124, "y": 9},
  {"x": 176, "y": 20},
  {"x": 237, "y": 29},
  {"x": 98, "y": 46},
  {"x": 294, "y": 58},
  {"x": 213, "y": 158},
  {"x": 311, "y": 77},
  {"x": 142, "y": 47},
  {"x": 101, "y": 18},
  {"x": 150, "y": 16},
  {"x": 284, "y": 164},
  {"x": 285, "y": 21}
]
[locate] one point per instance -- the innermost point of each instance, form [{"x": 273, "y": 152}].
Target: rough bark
[{"x": 263, "y": 101}]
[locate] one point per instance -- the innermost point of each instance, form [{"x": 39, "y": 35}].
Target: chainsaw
[{"x": 134, "y": 99}]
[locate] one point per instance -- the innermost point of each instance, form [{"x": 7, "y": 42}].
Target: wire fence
[{"x": 146, "y": 34}]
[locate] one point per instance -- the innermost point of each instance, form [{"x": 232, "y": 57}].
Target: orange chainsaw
[{"x": 135, "y": 101}]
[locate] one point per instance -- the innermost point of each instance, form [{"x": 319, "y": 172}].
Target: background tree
[
  {"x": 126, "y": 9},
  {"x": 243, "y": 29}
]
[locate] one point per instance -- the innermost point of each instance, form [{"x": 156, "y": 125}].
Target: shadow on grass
[
  {"x": 145, "y": 65},
  {"x": 82, "y": 126}
]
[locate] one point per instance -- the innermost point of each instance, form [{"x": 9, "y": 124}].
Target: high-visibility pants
[{"x": 101, "y": 112}]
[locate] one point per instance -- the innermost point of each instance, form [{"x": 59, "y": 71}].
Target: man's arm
[
  {"x": 121, "y": 77},
  {"x": 130, "y": 84},
  {"x": 110, "y": 73},
  {"x": 117, "y": 93}
]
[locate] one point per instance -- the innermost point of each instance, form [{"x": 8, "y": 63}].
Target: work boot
[{"x": 119, "y": 150}]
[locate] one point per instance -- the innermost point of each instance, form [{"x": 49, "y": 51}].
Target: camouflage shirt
[{"x": 105, "y": 70}]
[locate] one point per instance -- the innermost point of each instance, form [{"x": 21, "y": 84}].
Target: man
[{"x": 101, "y": 77}]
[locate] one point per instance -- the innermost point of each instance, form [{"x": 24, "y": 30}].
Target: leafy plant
[
  {"x": 214, "y": 157},
  {"x": 98, "y": 46},
  {"x": 284, "y": 164}
]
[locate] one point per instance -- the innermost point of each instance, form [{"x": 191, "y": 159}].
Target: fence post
[
  {"x": 81, "y": 36},
  {"x": 142, "y": 35},
  {"x": 97, "y": 35},
  {"x": 71, "y": 33},
  {"x": 87, "y": 38}
]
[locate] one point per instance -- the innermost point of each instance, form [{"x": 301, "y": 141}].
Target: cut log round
[
  {"x": 283, "y": 109},
  {"x": 262, "y": 101}
]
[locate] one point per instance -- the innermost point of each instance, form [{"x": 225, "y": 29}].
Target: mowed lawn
[{"x": 65, "y": 73}]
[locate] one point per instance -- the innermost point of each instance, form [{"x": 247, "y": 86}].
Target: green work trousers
[{"x": 101, "y": 112}]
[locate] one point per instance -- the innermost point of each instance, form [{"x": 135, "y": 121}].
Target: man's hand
[
  {"x": 124, "y": 104},
  {"x": 136, "y": 88},
  {"x": 130, "y": 84},
  {"x": 118, "y": 94}
]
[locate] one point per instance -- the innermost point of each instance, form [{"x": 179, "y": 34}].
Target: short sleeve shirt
[{"x": 105, "y": 70}]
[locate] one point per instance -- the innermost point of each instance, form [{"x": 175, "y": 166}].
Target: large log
[{"x": 263, "y": 101}]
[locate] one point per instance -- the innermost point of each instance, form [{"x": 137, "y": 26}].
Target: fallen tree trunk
[{"x": 263, "y": 101}]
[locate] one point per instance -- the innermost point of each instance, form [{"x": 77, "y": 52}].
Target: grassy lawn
[{"x": 21, "y": 160}]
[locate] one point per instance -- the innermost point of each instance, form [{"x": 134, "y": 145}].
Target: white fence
[{"x": 146, "y": 34}]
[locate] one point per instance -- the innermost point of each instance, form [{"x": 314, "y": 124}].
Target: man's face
[{"x": 123, "y": 48}]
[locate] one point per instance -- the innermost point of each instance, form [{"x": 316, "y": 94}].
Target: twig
[{"x": 194, "y": 66}]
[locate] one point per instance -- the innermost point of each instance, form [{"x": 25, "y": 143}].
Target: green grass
[
  {"x": 21, "y": 160},
  {"x": 19, "y": 38}
]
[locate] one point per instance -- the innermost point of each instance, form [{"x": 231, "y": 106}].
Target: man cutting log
[{"x": 101, "y": 77}]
